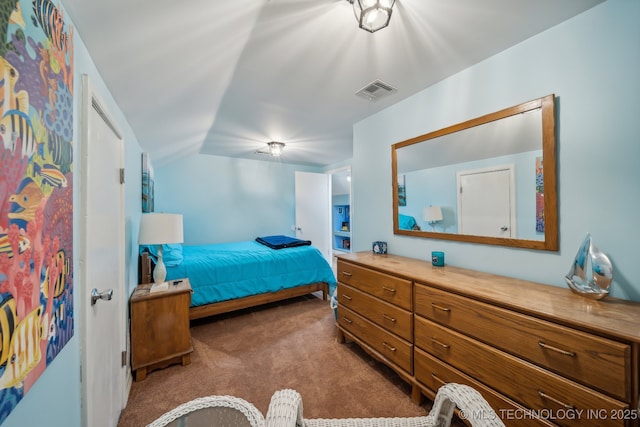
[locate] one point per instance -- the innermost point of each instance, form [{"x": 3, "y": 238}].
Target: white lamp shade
[
  {"x": 432, "y": 213},
  {"x": 160, "y": 229}
]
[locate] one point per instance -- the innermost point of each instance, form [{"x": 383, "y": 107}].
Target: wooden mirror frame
[{"x": 547, "y": 106}]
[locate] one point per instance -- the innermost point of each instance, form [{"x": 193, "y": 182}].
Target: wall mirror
[{"x": 488, "y": 180}]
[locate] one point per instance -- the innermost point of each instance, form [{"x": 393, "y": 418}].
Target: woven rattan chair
[
  {"x": 212, "y": 411},
  {"x": 285, "y": 410}
]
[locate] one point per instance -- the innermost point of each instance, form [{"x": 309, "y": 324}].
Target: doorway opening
[{"x": 341, "y": 224}]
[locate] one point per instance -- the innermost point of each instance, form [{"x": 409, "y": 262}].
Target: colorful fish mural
[{"x": 36, "y": 193}]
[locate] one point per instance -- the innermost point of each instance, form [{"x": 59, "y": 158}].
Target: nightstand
[{"x": 160, "y": 334}]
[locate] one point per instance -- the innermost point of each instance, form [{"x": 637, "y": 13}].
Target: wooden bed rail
[{"x": 255, "y": 300}]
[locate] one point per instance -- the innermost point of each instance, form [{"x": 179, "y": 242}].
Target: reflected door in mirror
[{"x": 485, "y": 202}]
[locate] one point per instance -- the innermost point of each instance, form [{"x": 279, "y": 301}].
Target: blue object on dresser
[{"x": 437, "y": 258}]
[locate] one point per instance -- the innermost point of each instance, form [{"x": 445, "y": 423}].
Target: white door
[
  {"x": 102, "y": 265},
  {"x": 486, "y": 202},
  {"x": 313, "y": 210}
]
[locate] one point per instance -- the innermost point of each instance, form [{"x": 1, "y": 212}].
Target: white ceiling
[{"x": 224, "y": 77}]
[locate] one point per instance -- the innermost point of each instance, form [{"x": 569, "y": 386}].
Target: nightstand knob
[{"x": 105, "y": 295}]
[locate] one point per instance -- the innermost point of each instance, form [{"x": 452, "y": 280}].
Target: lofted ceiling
[{"x": 224, "y": 77}]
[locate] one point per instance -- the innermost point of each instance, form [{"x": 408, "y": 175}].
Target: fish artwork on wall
[{"x": 36, "y": 193}]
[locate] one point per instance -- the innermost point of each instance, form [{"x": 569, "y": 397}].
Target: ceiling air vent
[{"x": 376, "y": 90}]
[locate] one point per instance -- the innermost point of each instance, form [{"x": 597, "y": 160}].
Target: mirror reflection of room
[{"x": 483, "y": 178}]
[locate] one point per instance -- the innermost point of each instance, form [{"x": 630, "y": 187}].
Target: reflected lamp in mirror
[
  {"x": 160, "y": 229},
  {"x": 431, "y": 215}
]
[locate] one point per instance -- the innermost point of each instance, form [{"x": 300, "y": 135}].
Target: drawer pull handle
[
  {"x": 389, "y": 289},
  {"x": 437, "y": 379},
  {"x": 345, "y": 296},
  {"x": 389, "y": 318},
  {"x": 347, "y": 274},
  {"x": 556, "y": 349},
  {"x": 388, "y": 346},
  {"x": 347, "y": 320},
  {"x": 556, "y": 401},
  {"x": 439, "y": 307},
  {"x": 441, "y": 344}
]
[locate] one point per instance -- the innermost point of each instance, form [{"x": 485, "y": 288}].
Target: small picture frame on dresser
[{"x": 379, "y": 247}]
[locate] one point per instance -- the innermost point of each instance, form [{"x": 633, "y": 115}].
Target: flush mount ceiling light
[
  {"x": 372, "y": 15},
  {"x": 275, "y": 148}
]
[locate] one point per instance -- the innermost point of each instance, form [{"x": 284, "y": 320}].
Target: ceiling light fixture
[
  {"x": 372, "y": 15},
  {"x": 275, "y": 148}
]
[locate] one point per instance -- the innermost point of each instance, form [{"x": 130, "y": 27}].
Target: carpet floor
[{"x": 253, "y": 353}]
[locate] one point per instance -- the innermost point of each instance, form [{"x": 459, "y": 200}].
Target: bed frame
[{"x": 199, "y": 312}]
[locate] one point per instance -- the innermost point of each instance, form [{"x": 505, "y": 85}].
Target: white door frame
[{"x": 90, "y": 99}]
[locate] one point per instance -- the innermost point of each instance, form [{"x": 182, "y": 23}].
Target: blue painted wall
[
  {"x": 225, "y": 199},
  {"x": 591, "y": 63}
]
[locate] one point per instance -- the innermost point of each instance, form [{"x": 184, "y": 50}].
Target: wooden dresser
[
  {"x": 375, "y": 310},
  {"x": 540, "y": 354}
]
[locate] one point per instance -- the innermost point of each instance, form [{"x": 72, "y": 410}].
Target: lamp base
[
  {"x": 159, "y": 287},
  {"x": 160, "y": 272}
]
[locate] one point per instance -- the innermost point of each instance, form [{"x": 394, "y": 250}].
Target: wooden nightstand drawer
[
  {"x": 586, "y": 358},
  {"x": 389, "y": 288},
  {"x": 393, "y": 348},
  {"x": 525, "y": 383},
  {"x": 390, "y": 317}
]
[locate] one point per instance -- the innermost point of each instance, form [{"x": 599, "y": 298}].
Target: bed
[{"x": 231, "y": 276}]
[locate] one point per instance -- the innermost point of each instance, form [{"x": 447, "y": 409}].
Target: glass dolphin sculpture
[{"x": 591, "y": 273}]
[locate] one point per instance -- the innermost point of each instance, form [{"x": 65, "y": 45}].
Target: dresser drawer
[
  {"x": 393, "y": 348},
  {"x": 527, "y": 384},
  {"x": 588, "y": 359},
  {"x": 392, "y": 318},
  {"x": 389, "y": 288},
  {"x": 433, "y": 373}
]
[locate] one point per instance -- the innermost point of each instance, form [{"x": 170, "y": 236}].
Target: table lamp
[{"x": 160, "y": 229}]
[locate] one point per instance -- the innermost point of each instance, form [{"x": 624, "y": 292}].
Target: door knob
[
  {"x": 105, "y": 295},
  {"x": 504, "y": 228}
]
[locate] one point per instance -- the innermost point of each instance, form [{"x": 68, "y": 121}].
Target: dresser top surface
[{"x": 610, "y": 316}]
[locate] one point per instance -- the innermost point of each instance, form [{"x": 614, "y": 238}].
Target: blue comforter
[{"x": 227, "y": 271}]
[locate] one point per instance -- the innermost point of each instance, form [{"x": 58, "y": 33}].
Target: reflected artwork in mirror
[{"x": 493, "y": 178}]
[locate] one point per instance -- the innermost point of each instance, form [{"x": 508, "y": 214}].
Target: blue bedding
[
  {"x": 221, "y": 272},
  {"x": 406, "y": 222}
]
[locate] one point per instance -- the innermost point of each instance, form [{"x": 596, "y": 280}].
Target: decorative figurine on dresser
[{"x": 591, "y": 272}]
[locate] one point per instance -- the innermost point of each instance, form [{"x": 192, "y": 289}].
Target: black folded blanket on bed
[{"x": 280, "y": 242}]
